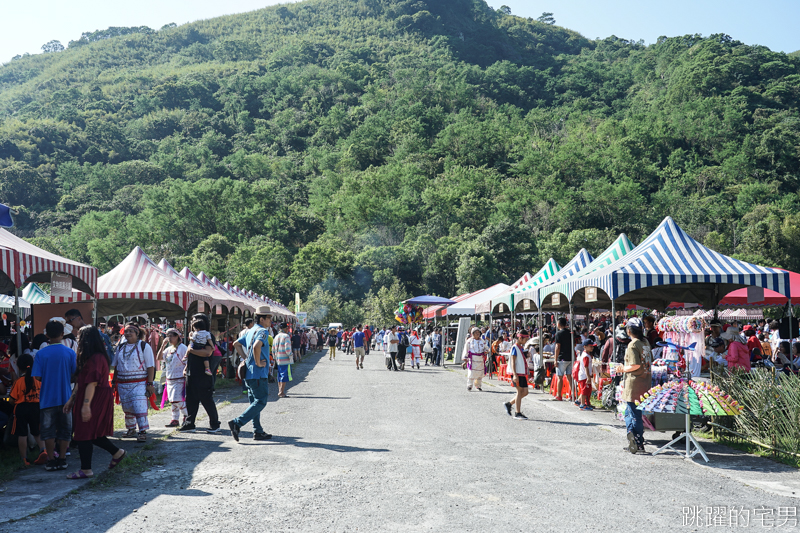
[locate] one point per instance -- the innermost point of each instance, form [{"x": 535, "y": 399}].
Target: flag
[{"x": 5, "y": 216}]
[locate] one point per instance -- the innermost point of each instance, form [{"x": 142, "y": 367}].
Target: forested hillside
[{"x": 348, "y": 145}]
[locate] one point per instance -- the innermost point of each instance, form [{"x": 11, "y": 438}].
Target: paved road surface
[{"x": 372, "y": 450}]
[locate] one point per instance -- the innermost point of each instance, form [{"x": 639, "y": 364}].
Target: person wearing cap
[
  {"x": 173, "y": 357},
  {"x": 585, "y": 373},
  {"x": 717, "y": 351},
  {"x": 257, "y": 340},
  {"x": 716, "y": 331},
  {"x": 519, "y": 372},
  {"x": 637, "y": 378},
  {"x": 282, "y": 350},
  {"x": 332, "y": 340}
]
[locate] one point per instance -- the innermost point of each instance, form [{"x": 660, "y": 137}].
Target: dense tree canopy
[{"x": 346, "y": 149}]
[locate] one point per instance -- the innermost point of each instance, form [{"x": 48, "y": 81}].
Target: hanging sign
[
  {"x": 755, "y": 294},
  {"x": 591, "y": 294},
  {"x": 526, "y": 305},
  {"x": 555, "y": 299},
  {"x": 60, "y": 285},
  {"x": 302, "y": 320},
  {"x": 502, "y": 308},
  {"x": 218, "y": 310},
  {"x": 201, "y": 306}
]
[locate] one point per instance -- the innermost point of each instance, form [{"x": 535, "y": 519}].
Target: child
[
  {"x": 585, "y": 373},
  {"x": 25, "y": 395},
  {"x": 200, "y": 338}
]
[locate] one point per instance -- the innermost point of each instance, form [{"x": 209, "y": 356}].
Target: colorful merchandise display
[
  {"x": 685, "y": 331},
  {"x": 689, "y": 397},
  {"x": 408, "y": 314}
]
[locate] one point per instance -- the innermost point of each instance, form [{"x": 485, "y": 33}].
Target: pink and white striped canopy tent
[{"x": 21, "y": 263}]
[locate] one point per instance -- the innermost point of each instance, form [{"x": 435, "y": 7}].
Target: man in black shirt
[{"x": 563, "y": 355}]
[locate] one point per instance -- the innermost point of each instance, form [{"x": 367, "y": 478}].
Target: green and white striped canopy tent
[
  {"x": 575, "y": 266},
  {"x": 618, "y": 249},
  {"x": 548, "y": 271},
  {"x": 34, "y": 294}
]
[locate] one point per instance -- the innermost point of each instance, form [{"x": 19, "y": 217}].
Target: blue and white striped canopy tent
[
  {"x": 670, "y": 266},
  {"x": 577, "y": 264},
  {"x": 619, "y": 248}
]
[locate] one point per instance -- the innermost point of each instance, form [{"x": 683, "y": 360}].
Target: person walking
[
  {"x": 257, "y": 363},
  {"x": 332, "y": 340},
  {"x": 92, "y": 403},
  {"x": 174, "y": 366},
  {"x": 358, "y": 345},
  {"x": 416, "y": 348},
  {"x": 474, "y": 359},
  {"x": 134, "y": 372},
  {"x": 519, "y": 370},
  {"x": 199, "y": 385},
  {"x": 563, "y": 355},
  {"x": 392, "y": 342},
  {"x": 402, "y": 346},
  {"x": 636, "y": 381},
  {"x": 436, "y": 340},
  {"x": 282, "y": 352}
]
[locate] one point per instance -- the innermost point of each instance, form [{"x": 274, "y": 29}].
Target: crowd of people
[{"x": 62, "y": 387}]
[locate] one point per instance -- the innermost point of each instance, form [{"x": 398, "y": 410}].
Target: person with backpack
[
  {"x": 519, "y": 372},
  {"x": 402, "y": 345},
  {"x": 332, "y": 339},
  {"x": 134, "y": 372}
]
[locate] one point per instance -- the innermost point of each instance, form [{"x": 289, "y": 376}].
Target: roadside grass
[
  {"x": 753, "y": 449},
  {"x": 10, "y": 463}
]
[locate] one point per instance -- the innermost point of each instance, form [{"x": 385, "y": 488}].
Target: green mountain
[{"x": 350, "y": 145}]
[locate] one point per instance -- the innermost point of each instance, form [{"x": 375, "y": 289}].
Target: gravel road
[{"x": 372, "y": 450}]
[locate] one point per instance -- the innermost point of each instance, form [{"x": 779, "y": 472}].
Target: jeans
[
  {"x": 437, "y": 355},
  {"x": 633, "y": 421},
  {"x": 257, "y": 390}
]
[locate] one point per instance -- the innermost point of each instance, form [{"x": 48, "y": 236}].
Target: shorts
[
  {"x": 55, "y": 424},
  {"x": 563, "y": 368},
  {"x": 584, "y": 387},
  {"x": 283, "y": 373},
  {"x": 26, "y": 415},
  {"x": 522, "y": 382},
  {"x": 360, "y": 352}
]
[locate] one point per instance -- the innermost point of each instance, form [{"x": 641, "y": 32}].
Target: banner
[
  {"x": 296, "y": 302},
  {"x": 302, "y": 320},
  {"x": 60, "y": 285}
]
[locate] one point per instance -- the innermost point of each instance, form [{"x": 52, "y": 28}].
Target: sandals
[
  {"x": 141, "y": 437},
  {"x": 115, "y": 462},
  {"x": 80, "y": 474},
  {"x": 130, "y": 434}
]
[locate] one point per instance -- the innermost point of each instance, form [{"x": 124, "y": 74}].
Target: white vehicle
[{"x": 334, "y": 325}]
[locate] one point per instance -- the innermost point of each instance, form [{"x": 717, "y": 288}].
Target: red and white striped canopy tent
[
  {"x": 21, "y": 263},
  {"x": 244, "y": 304},
  {"x": 203, "y": 295},
  {"x": 138, "y": 286},
  {"x": 232, "y": 303},
  {"x": 220, "y": 298}
]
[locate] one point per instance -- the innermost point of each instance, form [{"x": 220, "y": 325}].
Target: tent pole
[
  {"x": 572, "y": 360},
  {"x": 613, "y": 332},
  {"x": 541, "y": 335},
  {"x": 19, "y": 329},
  {"x": 186, "y": 326},
  {"x": 94, "y": 312}
]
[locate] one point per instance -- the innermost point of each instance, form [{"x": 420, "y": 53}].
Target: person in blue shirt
[
  {"x": 258, "y": 367},
  {"x": 358, "y": 344},
  {"x": 54, "y": 365}
]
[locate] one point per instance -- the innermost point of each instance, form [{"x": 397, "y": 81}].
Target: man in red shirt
[
  {"x": 753, "y": 344},
  {"x": 367, "y": 337}
]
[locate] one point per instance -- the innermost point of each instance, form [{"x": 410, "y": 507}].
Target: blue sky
[{"x": 26, "y": 25}]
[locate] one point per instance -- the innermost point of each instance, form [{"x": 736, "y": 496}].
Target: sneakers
[
  {"x": 172, "y": 424},
  {"x": 214, "y": 430},
  {"x": 633, "y": 447},
  {"x": 587, "y": 408},
  {"x": 520, "y": 416},
  {"x": 261, "y": 436},
  {"x": 187, "y": 426},
  {"x": 508, "y": 408},
  {"x": 42, "y": 459},
  {"x": 469, "y": 387},
  {"x": 234, "y": 430},
  {"x": 51, "y": 465}
]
